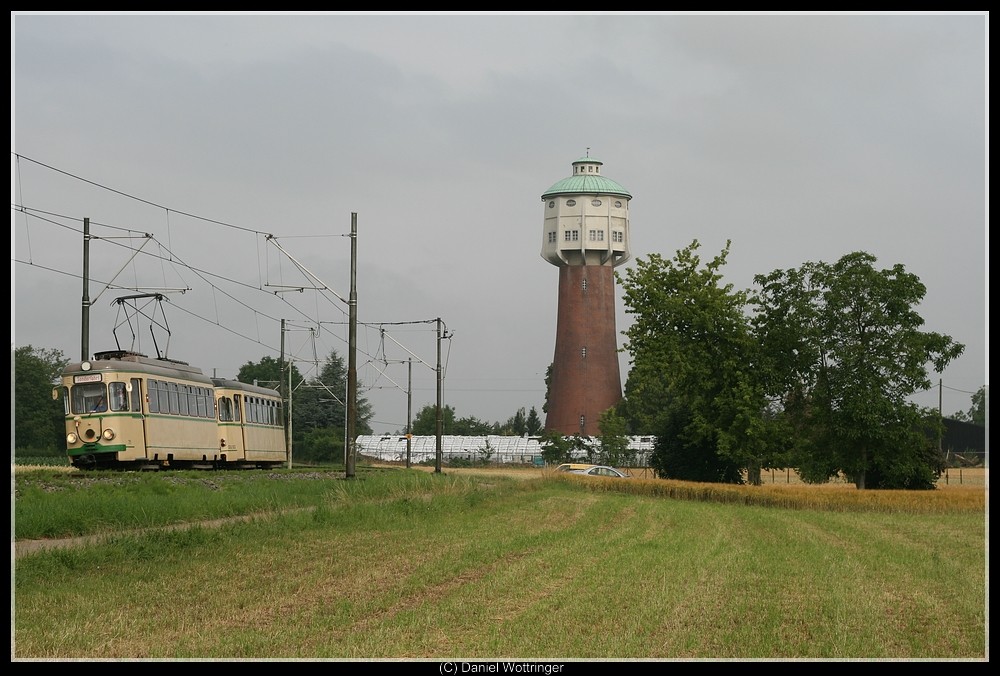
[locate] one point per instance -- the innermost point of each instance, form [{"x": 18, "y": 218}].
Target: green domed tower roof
[{"x": 586, "y": 180}]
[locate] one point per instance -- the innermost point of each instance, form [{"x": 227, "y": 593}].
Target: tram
[{"x": 126, "y": 410}]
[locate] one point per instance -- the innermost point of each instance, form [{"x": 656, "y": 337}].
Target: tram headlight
[
  {"x": 108, "y": 434},
  {"x": 71, "y": 438}
]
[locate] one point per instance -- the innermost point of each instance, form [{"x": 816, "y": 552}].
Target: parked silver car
[{"x": 601, "y": 470}]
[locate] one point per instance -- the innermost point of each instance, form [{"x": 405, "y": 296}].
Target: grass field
[{"x": 478, "y": 564}]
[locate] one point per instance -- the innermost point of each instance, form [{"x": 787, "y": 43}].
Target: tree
[
  {"x": 268, "y": 373},
  {"x": 614, "y": 440},
  {"x": 556, "y": 448},
  {"x": 693, "y": 380},
  {"x": 516, "y": 425},
  {"x": 843, "y": 353},
  {"x": 977, "y": 412},
  {"x": 425, "y": 422},
  {"x": 679, "y": 454},
  {"x": 471, "y": 426},
  {"x": 38, "y": 419},
  {"x": 533, "y": 424},
  {"x": 320, "y": 413}
]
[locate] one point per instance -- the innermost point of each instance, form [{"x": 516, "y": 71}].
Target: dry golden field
[{"x": 969, "y": 476}]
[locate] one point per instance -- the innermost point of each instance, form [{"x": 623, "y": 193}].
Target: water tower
[{"x": 585, "y": 235}]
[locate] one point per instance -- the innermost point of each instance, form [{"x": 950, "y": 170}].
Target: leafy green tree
[
  {"x": 425, "y": 422},
  {"x": 473, "y": 427},
  {"x": 693, "y": 381},
  {"x": 268, "y": 373},
  {"x": 843, "y": 352},
  {"x": 555, "y": 448},
  {"x": 614, "y": 441},
  {"x": 977, "y": 412},
  {"x": 583, "y": 445},
  {"x": 38, "y": 419},
  {"x": 680, "y": 455}
]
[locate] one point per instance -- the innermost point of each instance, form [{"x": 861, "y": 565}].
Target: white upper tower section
[{"x": 586, "y": 218}]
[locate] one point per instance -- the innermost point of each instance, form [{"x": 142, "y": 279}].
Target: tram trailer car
[{"x": 125, "y": 410}]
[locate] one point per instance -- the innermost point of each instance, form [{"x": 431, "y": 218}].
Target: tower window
[
  {"x": 583, "y": 352},
  {"x": 617, "y": 236},
  {"x": 583, "y": 284},
  {"x": 571, "y": 203},
  {"x": 618, "y": 204},
  {"x": 552, "y": 236},
  {"x": 551, "y": 204},
  {"x": 595, "y": 203},
  {"x": 596, "y": 235}
]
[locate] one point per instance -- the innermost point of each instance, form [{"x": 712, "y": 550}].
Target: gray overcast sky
[{"x": 799, "y": 137}]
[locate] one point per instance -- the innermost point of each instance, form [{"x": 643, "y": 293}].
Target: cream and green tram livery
[
  {"x": 126, "y": 410},
  {"x": 251, "y": 427}
]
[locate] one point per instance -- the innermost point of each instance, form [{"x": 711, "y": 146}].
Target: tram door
[{"x": 137, "y": 419}]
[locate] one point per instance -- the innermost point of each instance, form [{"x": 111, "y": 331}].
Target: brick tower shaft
[{"x": 585, "y": 379}]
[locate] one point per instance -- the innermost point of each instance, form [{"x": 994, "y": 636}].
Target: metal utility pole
[
  {"x": 289, "y": 414},
  {"x": 409, "y": 408},
  {"x": 940, "y": 412},
  {"x": 286, "y": 396},
  {"x": 352, "y": 359},
  {"x": 85, "y": 319},
  {"x": 438, "y": 426}
]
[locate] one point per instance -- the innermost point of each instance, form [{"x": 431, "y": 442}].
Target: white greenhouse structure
[{"x": 491, "y": 448}]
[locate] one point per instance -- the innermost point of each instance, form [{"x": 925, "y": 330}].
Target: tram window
[
  {"x": 162, "y": 403},
  {"x": 90, "y": 398},
  {"x": 202, "y": 402},
  {"x": 119, "y": 398},
  {"x": 153, "y": 395},
  {"x": 136, "y": 395},
  {"x": 183, "y": 397},
  {"x": 172, "y": 393},
  {"x": 65, "y": 399},
  {"x": 225, "y": 409},
  {"x": 163, "y": 406},
  {"x": 236, "y": 407}
]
